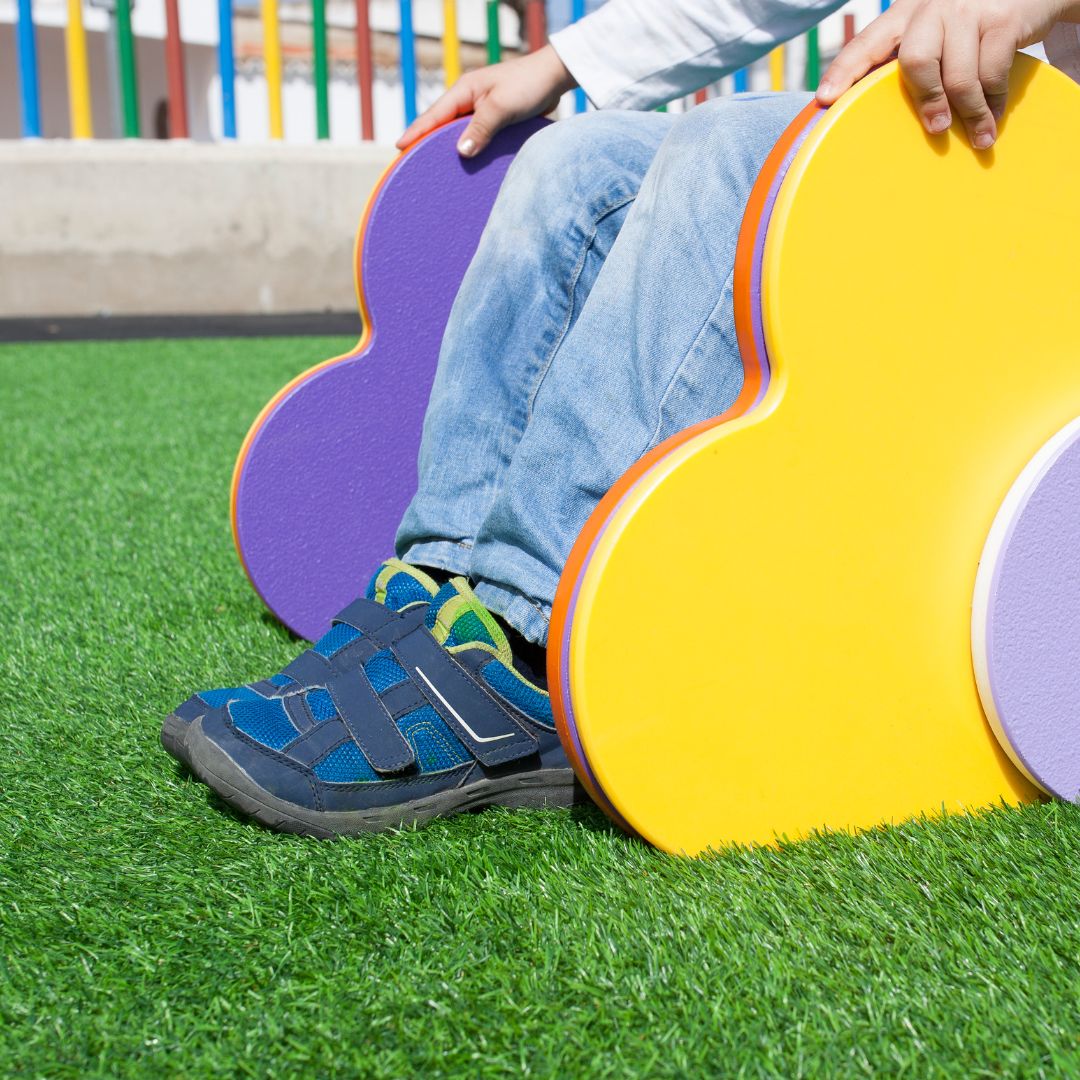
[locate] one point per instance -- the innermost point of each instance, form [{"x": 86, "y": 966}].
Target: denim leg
[
  {"x": 560, "y": 208},
  {"x": 653, "y": 351}
]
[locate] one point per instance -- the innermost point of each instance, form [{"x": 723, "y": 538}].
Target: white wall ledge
[{"x": 139, "y": 227}]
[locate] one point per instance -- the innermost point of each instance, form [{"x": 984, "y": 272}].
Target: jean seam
[
  {"x": 465, "y": 545},
  {"x": 434, "y": 560},
  {"x": 514, "y": 594},
  {"x": 655, "y": 437},
  {"x": 575, "y": 277}
]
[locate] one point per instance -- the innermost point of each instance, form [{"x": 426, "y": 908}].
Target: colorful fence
[{"x": 534, "y": 32}]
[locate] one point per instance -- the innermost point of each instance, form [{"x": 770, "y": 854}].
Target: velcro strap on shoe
[
  {"x": 367, "y": 617},
  {"x": 370, "y": 725},
  {"x": 403, "y": 699},
  {"x": 485, "y": 727}
]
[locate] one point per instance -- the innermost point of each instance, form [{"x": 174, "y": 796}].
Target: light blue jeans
[{"x": 594, "y": 322}]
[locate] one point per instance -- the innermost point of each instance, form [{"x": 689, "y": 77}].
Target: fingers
[
  {"x": 955, "y": 60},
  {"x": 995, "y": 62},
  {"x": 488, "y": 119},
  {"x": 863, "y": 53},
  {"x": 920, "y": 64},
  {"x": 457, "y": 101},
  {"x": 960, "y": 75}
]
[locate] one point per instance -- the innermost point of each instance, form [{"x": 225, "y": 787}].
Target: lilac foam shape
[
  {"x": 332, "y": 468},
  {"x": 1026, "y": 619}
]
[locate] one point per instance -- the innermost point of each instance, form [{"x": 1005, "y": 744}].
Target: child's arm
[
  {"x": 955, "y": 56},
  {"x": 629, "y": 54}
]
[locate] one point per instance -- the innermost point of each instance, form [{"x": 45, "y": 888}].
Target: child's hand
[
  {"x": 955, "y": 55},
  {"x": 498, "y": 95}
]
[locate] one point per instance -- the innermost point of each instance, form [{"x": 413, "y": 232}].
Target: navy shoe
[
  {"x": 395, "y": 584},
  {"x": 411, "y": 715}
]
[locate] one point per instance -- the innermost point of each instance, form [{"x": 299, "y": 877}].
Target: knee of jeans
[
  {"x": 563, "y": 165},
  {"x": 726, "y": 140}
]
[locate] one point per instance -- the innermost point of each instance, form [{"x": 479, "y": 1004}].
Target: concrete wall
[{"x": 174, "y": 228}]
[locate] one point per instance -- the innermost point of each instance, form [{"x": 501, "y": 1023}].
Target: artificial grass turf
[{"x": 145, "y": 929}]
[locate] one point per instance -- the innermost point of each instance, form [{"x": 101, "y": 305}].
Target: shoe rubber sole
[
  {"x": 542, "y": 788},
  {"x": 174, "y": 732}
]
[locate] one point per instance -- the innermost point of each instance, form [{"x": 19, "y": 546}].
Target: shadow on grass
[
  {"x": 584, "y": 814},
  {"x": 271, "y": 620}
]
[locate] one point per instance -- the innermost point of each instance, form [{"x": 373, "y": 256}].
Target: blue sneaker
[
  {"x": 394, "y": 718},
  {"x": 395, "y": 584}
]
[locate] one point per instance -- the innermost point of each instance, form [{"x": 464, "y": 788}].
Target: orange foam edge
[
  {"x": 754, "y": 367},
  {"x": 365, "y": 337}
]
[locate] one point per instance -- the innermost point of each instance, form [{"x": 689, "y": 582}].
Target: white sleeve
[{"x": 636, "y": 54}]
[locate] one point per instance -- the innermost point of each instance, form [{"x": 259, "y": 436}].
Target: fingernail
[
  {"x": 984, "y": 140},
  {"x": 466, "y": 148},
  {"x": 940, "y": 123},
  {"x": 826, "y": 89}
]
